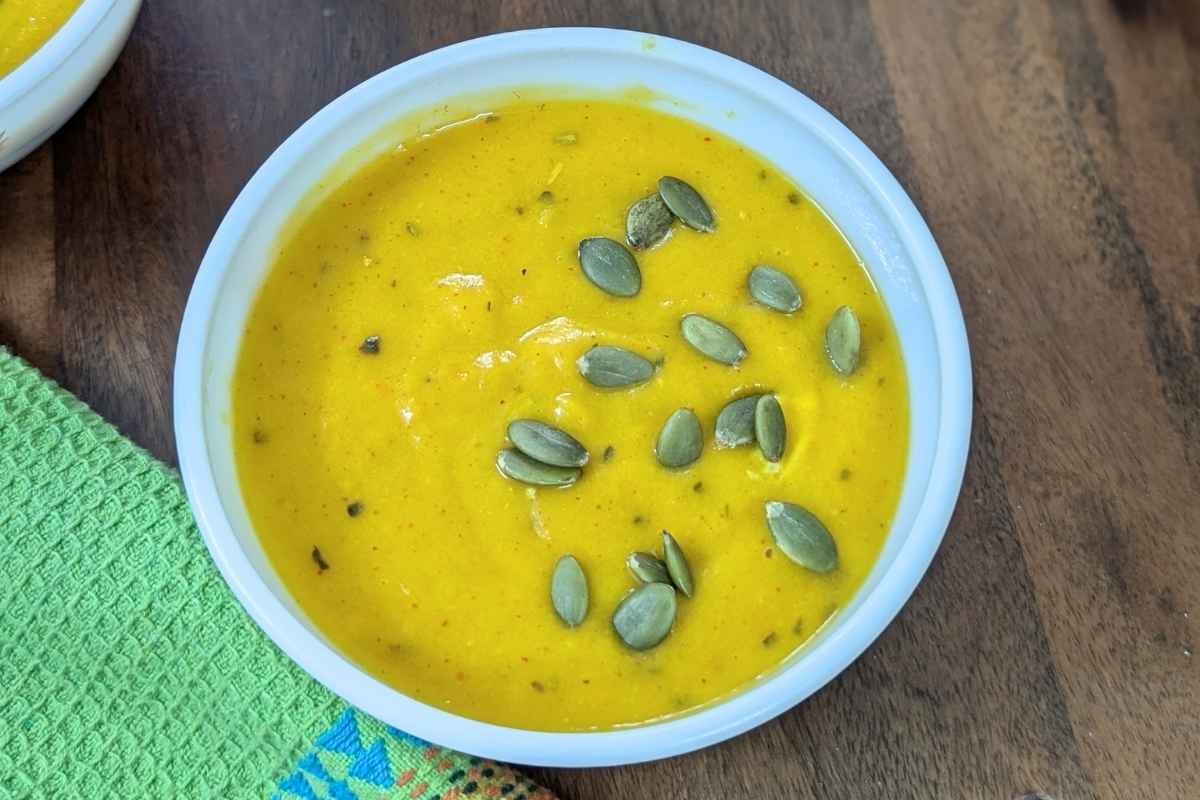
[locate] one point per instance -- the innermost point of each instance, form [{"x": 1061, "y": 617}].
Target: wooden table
[{"x": 1054, "y": 150}]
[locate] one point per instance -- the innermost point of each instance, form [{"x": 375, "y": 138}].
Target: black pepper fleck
[{"x": 319, "y": 560}]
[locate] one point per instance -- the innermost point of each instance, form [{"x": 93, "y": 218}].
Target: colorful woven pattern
[
  {"x": 127, "y": 669},
  {"x": 359, "y": 757}
]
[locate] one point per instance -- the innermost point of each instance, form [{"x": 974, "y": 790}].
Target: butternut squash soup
[
  {"x": 569, "y": 416},
  {"x": 26, "y": 25}
]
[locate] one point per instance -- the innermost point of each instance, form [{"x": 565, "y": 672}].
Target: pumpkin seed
[
  {"x": 370, "y": 345},
  {"x": 610, "y": 367},
  {"x": 770, "y": 428},
  {"x": 735, "y": 423},
  {"x": 801, "y": 536},
  {"x": 648, "y": 568},
  {"x": 843, "y": 340},
  {"x": 677, "y": 565},
  {"x": 680, "y": 440},
  {"x": 569, "y": 591},
  {"x": 712, "y": 339},
  {"x": 547, "y": 444},
  {"x": 610, "y": 266},
  {"x": 687, "y": 204},
  {"x": 648, "y": 222},
  {"x": 645, "y": 616},
  {"x": 774, "y": 289},
  {"x": 520, "y": 467}
]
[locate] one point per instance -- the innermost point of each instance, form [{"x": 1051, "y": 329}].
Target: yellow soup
[
  {"x": 371, "y": 478},
  {"x": 26, "y": 25}
]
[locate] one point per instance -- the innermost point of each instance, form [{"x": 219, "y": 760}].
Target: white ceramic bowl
[
  {"x": 803, "y": 140},
  {"x": 43, "y": 92}
]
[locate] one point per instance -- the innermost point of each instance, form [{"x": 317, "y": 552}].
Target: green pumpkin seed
[
  {"x": 774, "y": 289},
  {"x": 843, "y": 340},
  {"x": 712, "y": 339},
  {"x": 687, "y": 204},
  {"x": 547, "y": 444},
  {"x": 569, "y": 591},
  {"x": 520, "y": 467},
  {"x": 647, "y": 568},
  {"x": 611, "y": 367},
  {"x": 801, "y": 536},
  {"x": 677, "y": 565},
  {"x": 648, "y": 222},
  {"x": 770, "y": 428},
  {"x": 735, "y": 423},
  {"x": 645, "y": 616},
  {"x": 610, "y": 266},
  {"x": 680, "y": 440}
]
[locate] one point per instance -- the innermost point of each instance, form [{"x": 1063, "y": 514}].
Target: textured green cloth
[{"x": 127, "y": 669}]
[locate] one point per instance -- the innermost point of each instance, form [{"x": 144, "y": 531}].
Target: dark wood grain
[{"x": 1055, "y": 151}]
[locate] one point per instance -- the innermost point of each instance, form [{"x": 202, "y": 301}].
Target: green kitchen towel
[{"x": 127, "y": 669}]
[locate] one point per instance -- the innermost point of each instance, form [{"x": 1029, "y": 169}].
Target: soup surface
[
  {"x": 371, "y": 479},
  {"x": 26, "y": 25}
]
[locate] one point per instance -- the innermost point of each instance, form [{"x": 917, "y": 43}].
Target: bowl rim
[
  {"x": 54, "y": 51},
  {"x": 725, "y": 718}
]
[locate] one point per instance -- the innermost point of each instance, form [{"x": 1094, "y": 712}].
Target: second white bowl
[{"x": 43, "y": 92}]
